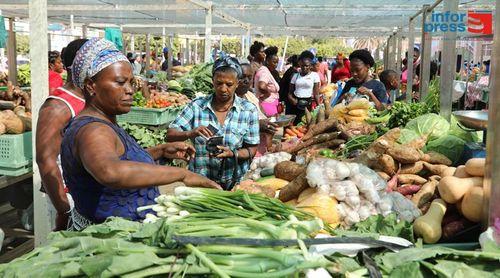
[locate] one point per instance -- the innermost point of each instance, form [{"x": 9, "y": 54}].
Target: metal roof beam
[
  {"x": 208, "y": 5},
  {"x": 104, "y": 7},
  {"x": 132, "y": 25}
]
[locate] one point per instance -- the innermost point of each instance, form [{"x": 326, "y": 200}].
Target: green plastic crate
[
  {"x": 150, "y": 116},
  {"x": 15, "y": 150},
  {"x": 15, "y": 172}
]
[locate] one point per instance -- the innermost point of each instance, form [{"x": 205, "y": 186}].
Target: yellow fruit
[
  {"x": 274, "y": 183},
  {"x": 358, "y": 112},
  {"x": 322, "y": 206}
]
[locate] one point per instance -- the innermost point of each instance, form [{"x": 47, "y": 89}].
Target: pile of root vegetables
[{"x": 15, "y": 110}]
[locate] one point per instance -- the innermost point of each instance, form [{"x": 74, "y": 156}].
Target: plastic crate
[
  {"x": 15, "y": 150},
  {"x": 15, "y": 172},
  {"x": 150, "y": 116}
]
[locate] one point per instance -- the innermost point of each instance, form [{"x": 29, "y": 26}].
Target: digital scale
[{"x": 474, "y": 120}]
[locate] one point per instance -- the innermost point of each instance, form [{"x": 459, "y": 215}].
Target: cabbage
[
  {"x": 407, "y": 135},
  {"x": 432, "y": 125},
  {"x": 456, "y": 130},
  {"x": 449, "y": 145}
]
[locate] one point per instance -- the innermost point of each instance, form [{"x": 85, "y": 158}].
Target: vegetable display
[
  {"x": 146, "y": 136},
  {"x": 15, "y": 110}
]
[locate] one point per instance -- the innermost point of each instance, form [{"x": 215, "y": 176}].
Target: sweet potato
[
  {"x": 418, "y": 143},
  {"x": 434, "y": 178},
  {"x": 288, "y": 170},
  {"x": 408, "y": 189},
  {"x": 294, "y": 188},
  {"x": 435, "y": 169},
  {"x": 387, "y": 164},
  {"x": 320, "y": 128},
  {"x": 454, "y": 227},
  {"x": 412, "y": 168},
  {"x": 404, "y": 154},
  {"x": 424, "y": 195},
  {"x": 436, "y": 158},
  {"x": 448, "y": 172},
  {"x": 411, "y": 179},
  {"x": 3, "y": 129},
  {"x": 384, "y": 176}
]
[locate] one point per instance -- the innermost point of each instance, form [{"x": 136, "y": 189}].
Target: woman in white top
[{"x": 304, "y": 87}]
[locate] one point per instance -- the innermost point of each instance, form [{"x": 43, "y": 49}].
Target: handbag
[{"x": 303, "y": 103}]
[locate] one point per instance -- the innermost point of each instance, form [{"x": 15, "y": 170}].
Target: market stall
[{"x": 349, "y": 191}]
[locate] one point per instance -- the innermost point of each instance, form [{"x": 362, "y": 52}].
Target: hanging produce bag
[{"x": 114, "y": 35}]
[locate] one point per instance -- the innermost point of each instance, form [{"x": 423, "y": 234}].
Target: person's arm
[
  {"x": 99, "y": 150},
  {"x": 263, "y": 89},
  {"x": 175, "y": 150},
  {"x": 52, "y": 118},
  {"x": 316, "y": 93},
  {"x": 291, "y": 97}
]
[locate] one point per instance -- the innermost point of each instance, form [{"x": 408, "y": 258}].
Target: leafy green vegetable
[
  {"x": 431, "y": 125},
  {"x": 456, "y": 130},
  {"x": 407, "y": 135},
  {"x": 146, "y": 136},
  {"x": 387, "y": 226},
  {"x": 448, "y": 145},
  {"x": 403, "y": 112},
  {"x": 407, "y": 270},
  {"x": 432, "y": 101}
]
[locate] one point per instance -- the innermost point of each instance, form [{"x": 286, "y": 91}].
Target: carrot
[
  {"x": 300, "y": 134},
  {"x": 290, "y": 132},
  {"x": 302, "y": 129},
  {"x": 320, "y": 128}
]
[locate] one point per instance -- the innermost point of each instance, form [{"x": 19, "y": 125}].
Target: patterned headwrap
[
  {"x": 94, "y": 56},
  {"x": 227, "y": 62}
]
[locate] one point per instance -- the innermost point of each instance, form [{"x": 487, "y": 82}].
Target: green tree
[{"x": 22, "y": 44}]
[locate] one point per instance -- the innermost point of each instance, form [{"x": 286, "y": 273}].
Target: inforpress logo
[
  {"x": 476, "y": 22},
  {"x": 480, "y": 22}
]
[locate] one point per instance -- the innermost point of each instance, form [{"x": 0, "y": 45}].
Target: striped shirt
[{"x": 241, "y": 127}]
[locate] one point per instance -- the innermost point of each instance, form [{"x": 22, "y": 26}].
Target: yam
[
  {"x": 404, "y": 154},
  {"x": 320, "y": 128},
  {"x": 315, "y": 140},
  {"x": 294, "y": 188},
  {"x": 417, "y": 143},
  {"x": 424, "y": 195},
  {"x": 3, "y": 129},
  {"x": 411, "y": 179},
  {"x": 436, "y": 158},
  {"x": 328, "y": 107},
  {"x": 384, "y": 176},
  {"x": 460, "y": 172},
  {"x": 321, "y": 114},
  {"x": 408, "y": 189},
  {"x": 435, "y": 169},
  {"x": 288, "y": 170},
  {"x": 412, "y": 168},
  {"x": 13, "y": 124},
  {"x": 328, "y": 144},
  {"x": 387, "y": 164},
  {"x": 475, "y": 167}
]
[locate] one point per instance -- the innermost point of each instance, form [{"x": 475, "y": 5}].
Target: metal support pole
[
  {"x": 195, "y": 51},
  {"x": 220, "y": 42},
  {"x": 72, "y": 23},
  {"x": 148, "y": 54},
  {"x": 386, "y": 53},
  {"x": 425, "y": 57},
  {"x": 39, "y": 91},
  {"x": 188, "y": 51},
  {"x": 84, "y": 31},
  {"x": 448, "y": 64},
  {"x": 284, "y": 53},
  {"x": 243, "y": 46},
  {"x": 399, "y": 50},
  {"x": 208, "y": 33},
  {"x": 132, "y": 42},
  {"x": 409, "y": 60},
  {"x": 170, "y": 56},
  {"x": 11, "y": 52},
  {"x": 491, "y": 210},
  {"x": 249, "y": 43},
  {"x": 163, "y": 38}
]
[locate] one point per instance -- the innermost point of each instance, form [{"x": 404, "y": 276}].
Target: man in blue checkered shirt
[{"x": 236, "y": 120}]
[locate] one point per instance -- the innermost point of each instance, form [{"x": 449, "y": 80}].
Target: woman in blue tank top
[{"x": 106, "y": 171}]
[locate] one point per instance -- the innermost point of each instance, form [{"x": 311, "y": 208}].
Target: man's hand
[
  {"x": 200, "y": 131},
  {"x": 267, "y": 126},
  {"x": 178, "y": 150},
  {"x": 194, "y": 180},
  {"x": 226, "y": 152}
]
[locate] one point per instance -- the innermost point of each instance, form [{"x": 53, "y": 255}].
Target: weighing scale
[{"x": 473, "y": 120}]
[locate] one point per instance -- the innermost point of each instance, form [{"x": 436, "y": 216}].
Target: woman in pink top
[{"x": 266, "y": 87}]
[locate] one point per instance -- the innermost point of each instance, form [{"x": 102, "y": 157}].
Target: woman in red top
[
  {"x": 55, "y": 70},
  {"x": 341, "y": 71}
]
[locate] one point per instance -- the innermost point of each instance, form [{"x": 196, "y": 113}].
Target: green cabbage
[
  {"x": 456, "y": 130},
  {"x": 431, "y": 125},
  {"x": 407, "y": 135},
  {"x": 449, "y": 145}
]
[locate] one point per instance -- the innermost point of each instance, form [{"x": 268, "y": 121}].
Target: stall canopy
[{"x": 261, "y": 17}]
